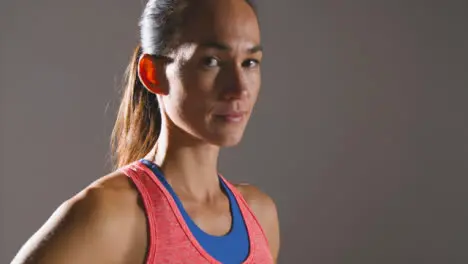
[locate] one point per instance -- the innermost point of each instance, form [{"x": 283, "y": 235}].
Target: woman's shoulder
[
  {"x": 265, "y": 210},
  {"x": 115, "y": 185},
  {"x": 262, "y": 204},
  {"x": 255, "y": 197},
  {"x": 102, "y": 223},
  {"x": 111, "y": 194},
  {"x": 112, "y": 203}
]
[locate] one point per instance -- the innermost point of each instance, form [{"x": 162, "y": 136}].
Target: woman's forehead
[{"x": 224, "y": 21}]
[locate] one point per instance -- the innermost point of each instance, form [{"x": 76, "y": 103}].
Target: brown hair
[{"x": 138, "y": 121}]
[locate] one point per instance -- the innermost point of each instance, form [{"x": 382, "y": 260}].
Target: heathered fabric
[{"x": 170, "y": 240}]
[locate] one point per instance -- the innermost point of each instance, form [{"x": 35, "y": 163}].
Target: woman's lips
[{"x": 231, "y": 117}]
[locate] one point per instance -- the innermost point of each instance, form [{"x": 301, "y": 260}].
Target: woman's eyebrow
[{"x": 225, "y": 47}]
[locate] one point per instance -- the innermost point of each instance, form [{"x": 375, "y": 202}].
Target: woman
[{"x": 192, "y": 85}]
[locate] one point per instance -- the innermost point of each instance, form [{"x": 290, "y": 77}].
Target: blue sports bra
[{"x": 232, "y": 248}]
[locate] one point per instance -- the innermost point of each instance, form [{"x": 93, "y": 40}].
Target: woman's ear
[{"x": 152, "y": 74}]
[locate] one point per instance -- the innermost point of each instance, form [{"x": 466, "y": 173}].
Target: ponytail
[{"x": 138, "y": 123}]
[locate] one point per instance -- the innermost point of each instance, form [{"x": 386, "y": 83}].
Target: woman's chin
[
  {"x": 227, "y": 139},
  {"x": 226, "y": 134}
]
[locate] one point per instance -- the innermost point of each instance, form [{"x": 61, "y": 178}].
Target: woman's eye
[
  {"x": 210, "y": 62},
  {"x": 250, "y": 63}
]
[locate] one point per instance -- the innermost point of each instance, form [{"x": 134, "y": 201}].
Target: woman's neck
[{"x": 189, "y": 165}]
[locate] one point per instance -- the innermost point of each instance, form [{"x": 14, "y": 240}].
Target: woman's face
[{"x": 214, "y": 79}]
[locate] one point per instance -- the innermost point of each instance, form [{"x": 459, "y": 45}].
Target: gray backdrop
[{"x": 359, "y": 134}]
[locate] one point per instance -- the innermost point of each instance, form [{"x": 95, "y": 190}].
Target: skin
[{"x": 216, "y": 70}]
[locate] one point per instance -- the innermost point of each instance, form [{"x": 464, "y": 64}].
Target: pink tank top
[{"x": 170, "y": 240}]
